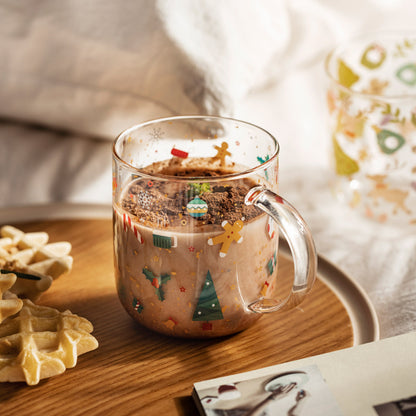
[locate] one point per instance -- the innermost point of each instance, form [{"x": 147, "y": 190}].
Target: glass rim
[
  {"x": 361, "y": 37},
  {"x": 237, "y": 175}
]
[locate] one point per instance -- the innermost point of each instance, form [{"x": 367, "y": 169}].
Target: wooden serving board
[{"x": 136, "y": 371}]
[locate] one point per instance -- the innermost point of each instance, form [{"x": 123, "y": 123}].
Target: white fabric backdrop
[{"x": 75, "y": 73}]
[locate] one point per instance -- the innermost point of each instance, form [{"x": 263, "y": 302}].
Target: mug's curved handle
[{"x": 302, "y": 246}]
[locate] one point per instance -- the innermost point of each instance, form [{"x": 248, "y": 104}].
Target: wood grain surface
[{"x": 136, "y": 371}]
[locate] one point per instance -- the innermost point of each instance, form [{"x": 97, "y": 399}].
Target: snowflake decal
[
  {"x": 144, "y": 199},
  {"x": 156, "y": 134}
]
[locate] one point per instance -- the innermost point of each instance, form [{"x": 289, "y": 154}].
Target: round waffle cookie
[
  {"x": 39, "y": 261},
  {"x": 41, "y": 342},
  {"x": 9, "y": 302}
]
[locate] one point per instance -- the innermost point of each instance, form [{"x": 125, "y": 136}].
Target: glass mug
[
  {"x": 196, "y": 220},
  {"x": 372, "y": 115}
]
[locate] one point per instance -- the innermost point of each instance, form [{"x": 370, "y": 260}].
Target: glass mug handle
[{"x": 302, "y": 246}]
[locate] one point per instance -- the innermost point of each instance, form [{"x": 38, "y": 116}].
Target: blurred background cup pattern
[{"x": 371, "y": 100}]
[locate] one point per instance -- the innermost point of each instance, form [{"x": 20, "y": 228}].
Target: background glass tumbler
[
  {"x": 196, "y": 227},
  {"x": 372, "y": 106}
]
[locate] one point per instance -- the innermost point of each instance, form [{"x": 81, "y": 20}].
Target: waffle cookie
[
  {"x": 41, "y": 342},
  {"x": 9, "y": 303},
  {"x": 31, "y": 254}
]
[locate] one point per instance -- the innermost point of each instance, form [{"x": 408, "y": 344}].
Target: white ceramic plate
[{"x": 355, "y": 300}]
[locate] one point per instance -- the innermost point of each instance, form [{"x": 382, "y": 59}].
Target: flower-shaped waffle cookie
[
  {"x": 31, "y": 254},
  {"x": 41, "y": 342},
  {"x": 9, "y": 302}
]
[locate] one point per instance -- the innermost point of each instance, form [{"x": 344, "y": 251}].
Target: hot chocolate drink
[{"x": 182, "y": 247}]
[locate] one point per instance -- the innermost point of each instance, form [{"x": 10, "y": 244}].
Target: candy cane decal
[
  {"x": 127, "y": 224},
  {"x": 271, "y": 228}
]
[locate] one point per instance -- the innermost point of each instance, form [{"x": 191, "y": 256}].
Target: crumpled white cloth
[
  {"x": 93, "y": 68},
  {"x": 96, "y": 67},
  {"x": 99, "y": 66},
  {"x": 40, "y": 166}
]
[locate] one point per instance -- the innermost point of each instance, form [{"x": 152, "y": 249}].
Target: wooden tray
[{"x": 136, "y": 371}]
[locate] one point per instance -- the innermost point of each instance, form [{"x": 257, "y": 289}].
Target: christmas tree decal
[
  {"x": 344, "y": 165},
  {"x": 346, "y": 76},
  {"x": 208, "y": 307}
]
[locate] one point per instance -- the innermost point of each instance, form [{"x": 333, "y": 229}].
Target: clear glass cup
[
  {"x": 196, "y": 226},
  {"x": 372, "y": 107}
]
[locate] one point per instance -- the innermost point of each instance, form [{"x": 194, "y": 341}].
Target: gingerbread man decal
[
  {"x": 230, "y": 234},
  {"x": 222, "y": 152}
]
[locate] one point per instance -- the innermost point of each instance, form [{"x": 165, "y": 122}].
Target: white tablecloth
[{"x": 60, "y": 160}]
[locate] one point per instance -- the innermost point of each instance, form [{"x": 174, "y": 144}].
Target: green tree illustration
[
  {"x": 344, "y": 165},
  {"x": 208, "y": 307}
]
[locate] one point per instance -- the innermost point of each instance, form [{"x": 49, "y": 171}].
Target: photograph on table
[{"x": 298, "y": 392}]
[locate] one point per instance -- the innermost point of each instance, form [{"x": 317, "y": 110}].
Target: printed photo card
[{"x": 374, "y": 379}]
